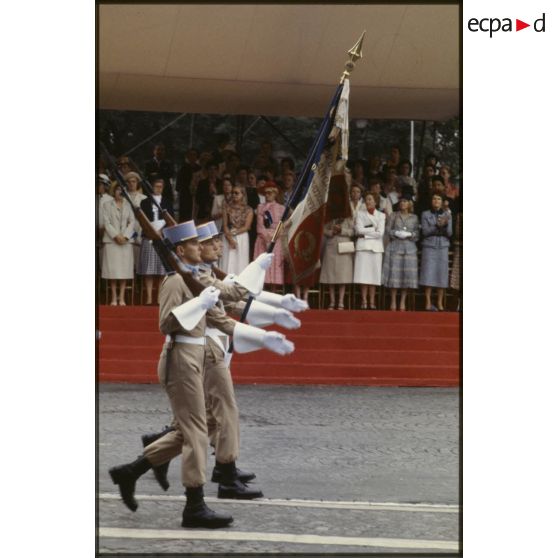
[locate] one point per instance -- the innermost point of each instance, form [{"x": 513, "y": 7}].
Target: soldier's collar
[{"x": 195, "y": 269}]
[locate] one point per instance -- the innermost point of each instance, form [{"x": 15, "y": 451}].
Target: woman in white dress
[
  {"x": 369, "y": 227},
  {"x": 103, "y": 186},
  {"x": 118, "y": 256},
  {"x": 237, "y": 220}
]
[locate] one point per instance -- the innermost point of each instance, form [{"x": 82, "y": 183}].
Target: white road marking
[
  {"x": 112, "y": 532},
  {"x": 324, "y": 504}
]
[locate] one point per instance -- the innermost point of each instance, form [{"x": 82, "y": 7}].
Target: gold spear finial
[{"x": 355, "y": 54}]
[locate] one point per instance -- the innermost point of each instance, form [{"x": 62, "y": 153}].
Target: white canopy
[{"x": 279, "y": 59}]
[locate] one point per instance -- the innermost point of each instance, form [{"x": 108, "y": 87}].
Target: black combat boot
[
  {"x": 160, "y": 471},
  {"x": 242, "y": 476},
  {"x": 147, "y": 439},
  {"x": 197, "y": 514},
  {"x": 231, "y": 487},
  {"x": 125, "y": 476}
]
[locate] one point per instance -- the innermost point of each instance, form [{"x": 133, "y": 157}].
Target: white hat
[
  {"x": 213, "y": 228},
  {"x": 181, "y": 232},
  {"x": 104, "y": 178},
  {"x": 206, "y": 231}
]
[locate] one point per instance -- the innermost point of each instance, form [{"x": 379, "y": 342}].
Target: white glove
[
  {"x": 294, "y": 304},
  {"x": 278, "y": 343},
  {"x": 247, "y": 338},
  {"x": 288, "y": 301},
  {"x": 407, "y": 234},
  {"x": 253, "y": 275},
  {"x": 229, "y": 279},
  {"x": 285, "y": 319},
  {"x": 261, "y": 315},
  {"x": 400, "y": 234},
  {"x": 209, "y": 297},
  {"x": 190, "y": 313},
  {"x": 265, "y": 260}
]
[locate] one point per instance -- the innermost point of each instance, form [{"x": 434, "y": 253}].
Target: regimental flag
[{"x": 305, "y": 225}]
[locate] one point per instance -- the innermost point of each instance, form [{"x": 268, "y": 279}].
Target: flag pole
[{"x": 355, "y": 54}]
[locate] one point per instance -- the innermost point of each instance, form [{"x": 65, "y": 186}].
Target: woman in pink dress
[{"x": 268, "y": 216}]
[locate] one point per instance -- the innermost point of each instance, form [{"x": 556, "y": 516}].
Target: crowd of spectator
[{"x": 399, "y": 235}]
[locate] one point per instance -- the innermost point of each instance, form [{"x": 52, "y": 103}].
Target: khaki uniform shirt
[
  {"x": 232, "y": 295},
  {"x": 174, "y": 292}
]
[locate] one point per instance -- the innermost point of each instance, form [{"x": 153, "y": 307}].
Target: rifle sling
[{"x": 170, "y": 346}]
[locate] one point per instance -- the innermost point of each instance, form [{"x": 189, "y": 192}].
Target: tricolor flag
[{"x": 304, "y": 229}]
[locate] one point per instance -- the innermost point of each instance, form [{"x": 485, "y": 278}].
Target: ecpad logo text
[{"x": 494, "y": 24}]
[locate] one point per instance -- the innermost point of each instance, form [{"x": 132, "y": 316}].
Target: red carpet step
[{"x": 371, "y": 348}]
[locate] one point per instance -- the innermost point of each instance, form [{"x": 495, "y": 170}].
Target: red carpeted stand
[{"x": 368, "y": 348}]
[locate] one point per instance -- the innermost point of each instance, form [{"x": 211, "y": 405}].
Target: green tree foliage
[{"x": 122, "y": 131}]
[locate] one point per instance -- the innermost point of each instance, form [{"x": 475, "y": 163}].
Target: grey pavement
[{"x": 361, "y": 444}]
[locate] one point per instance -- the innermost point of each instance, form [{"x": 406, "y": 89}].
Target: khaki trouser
[
  {"x": 185, "y": 392},
  {"x": 211, "y": 424},
  {"x": 222, "y": 411}
]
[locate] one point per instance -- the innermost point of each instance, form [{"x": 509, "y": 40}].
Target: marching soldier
[
  {"x": 222, "y": 411},
  {"x": 182, "y": 318},
  {"x": 224, "y": 432}
]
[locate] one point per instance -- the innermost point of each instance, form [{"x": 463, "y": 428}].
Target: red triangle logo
[{"x": 519, "y": 25}]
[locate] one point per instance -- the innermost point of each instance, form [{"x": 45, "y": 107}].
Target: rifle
[
  {"x": 219, "y": 273},
  {"x": 162, "y": 246}
]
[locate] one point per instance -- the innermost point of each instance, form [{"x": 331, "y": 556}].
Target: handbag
[{"x": 346, "y": 247}]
